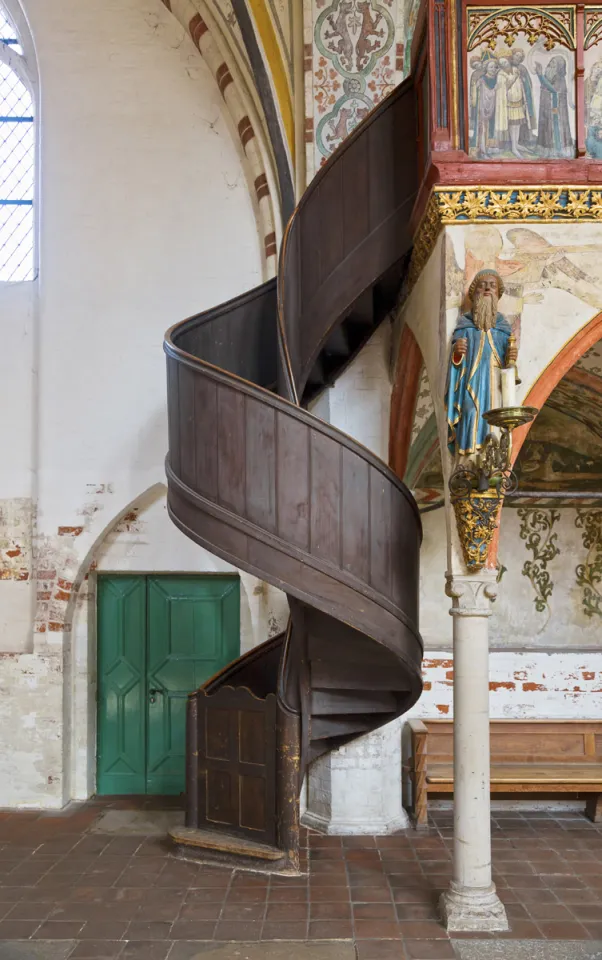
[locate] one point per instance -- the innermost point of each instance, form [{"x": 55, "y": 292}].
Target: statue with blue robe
[{"x": 480, "y": 346}]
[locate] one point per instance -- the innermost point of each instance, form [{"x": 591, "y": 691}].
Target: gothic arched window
[{"x": 17, "y": 159}]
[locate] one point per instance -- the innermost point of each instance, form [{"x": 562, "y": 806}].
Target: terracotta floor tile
[
  {"x": 562, "y": 930},
  {"x": 103, "y": 930},
  {"x": 375, "y": 929},
  {"x": 97, "y": 950},
  {"x": 332, "y": 911},
  {"x": 286, "y": 912},
  {"x": 284, "y": 931},
  {"x": 240, "y": 911},
  {"x": 417, "y": 911},
  {"x": 191, "y": 930},
  {"x": 332, "y": 894},
  {"x": 49, "y": 930},
  {"x": 330, "y": 930},
  {"x": 146, "y": 950},
  {"x": 284, "y": 895},
  {"x": 239, "y": 930},
  {"x": 371, "y": 894},
  {"x": 374, "y": 911},
  {"x": 380, "y": 950},
  {"x": 200, "y": 911},
  {"x": 549, "y": 911},
  {"x": 148, "y": 930},
  {"x": 27, "y": 911},
  {"x": 429, "y": 950},
  {"x": 422, "y": 929}
]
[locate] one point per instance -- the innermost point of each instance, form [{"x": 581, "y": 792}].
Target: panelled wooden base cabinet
[{"x": 527, "y": 757}]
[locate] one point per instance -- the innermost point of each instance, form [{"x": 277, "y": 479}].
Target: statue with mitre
[{"x": 482, "y": 344}]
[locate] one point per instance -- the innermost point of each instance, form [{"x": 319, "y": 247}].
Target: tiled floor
[{"x": 125, "y": 897}]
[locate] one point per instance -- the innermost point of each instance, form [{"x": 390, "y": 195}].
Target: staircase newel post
[
  {"x": 287, "y": 780},
  {"x": 192, "y": 761}
]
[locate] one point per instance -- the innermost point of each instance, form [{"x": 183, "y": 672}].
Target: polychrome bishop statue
[{"x": 481, "y": 344}]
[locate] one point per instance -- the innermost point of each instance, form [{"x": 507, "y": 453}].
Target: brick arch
[
  {"x": 555, "y": 371},
  {"x": 403, "y": 400},
  {"x": 261, "y": 175}
]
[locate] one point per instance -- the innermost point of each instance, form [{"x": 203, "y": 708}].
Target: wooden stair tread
[
  {"x": 211, "y": 840},
  {"x": 325, "y": 702},
  {"x": 334, "y": 675},
  {"x": 525, "y": 773}
]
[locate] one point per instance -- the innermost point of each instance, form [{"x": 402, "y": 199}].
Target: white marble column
[{"x": 471, "y": 903}]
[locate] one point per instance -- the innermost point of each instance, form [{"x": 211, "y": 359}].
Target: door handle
[{"x": 153, "y": 694}]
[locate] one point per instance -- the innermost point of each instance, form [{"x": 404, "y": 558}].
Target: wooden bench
[{"x": 527, "y": 756}]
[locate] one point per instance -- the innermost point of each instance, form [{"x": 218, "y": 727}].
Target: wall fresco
[
  {"x": 356, "y": 59},
  {"x": 592, "y": 62},
  {"x": 521, "y": 83}
]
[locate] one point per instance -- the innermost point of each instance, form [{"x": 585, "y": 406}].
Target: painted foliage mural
[
  {"x": 521, "y": 83},
  {"x": 355, "y": 61}
]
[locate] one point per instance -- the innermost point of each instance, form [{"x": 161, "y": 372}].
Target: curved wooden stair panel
[{"x": 258, "y": 480}]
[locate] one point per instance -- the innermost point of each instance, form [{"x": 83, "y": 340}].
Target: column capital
[{"x": 472, "y": 594}]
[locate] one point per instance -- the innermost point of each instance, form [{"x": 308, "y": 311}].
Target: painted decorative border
[
  {"x": 536, "y": 204},
  {"x": 487, "y": 24},
  {"x": 593, "y": 26}
]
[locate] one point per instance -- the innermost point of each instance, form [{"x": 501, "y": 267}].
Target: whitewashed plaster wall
[
  {"x": 17, "y": 380},
  {"x": 356, "y": 789},
  {"x": 144, "y": 219}
]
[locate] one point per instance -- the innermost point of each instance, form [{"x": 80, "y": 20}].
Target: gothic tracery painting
[{"x": 521, "y": 88}]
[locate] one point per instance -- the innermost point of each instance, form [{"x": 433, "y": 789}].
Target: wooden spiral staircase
[{"x": 261, "y": 482}]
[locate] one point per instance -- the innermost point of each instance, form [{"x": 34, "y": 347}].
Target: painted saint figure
[
  {"x": 510, "y": 106},
  {"x": 485, "y": 109},
  {"x": 554, "y": 137},
  {"x": 528, "y": 127},
  {"x": 479, "y": 346}
]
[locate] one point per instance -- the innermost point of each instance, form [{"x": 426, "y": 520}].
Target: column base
[{"x": 473, "y": 909}]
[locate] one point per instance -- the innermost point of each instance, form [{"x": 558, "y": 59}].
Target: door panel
[
  {"x": 236, "y": 772},
  {"x": 193, "y": 631},
  {"x": 121, "y": 685}
]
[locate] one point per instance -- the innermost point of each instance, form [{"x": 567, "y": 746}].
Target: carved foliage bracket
[
  {"x": 489, "y": 24},
  {"x": 593, "y": 27}
]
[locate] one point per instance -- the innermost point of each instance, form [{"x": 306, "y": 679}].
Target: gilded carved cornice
[{"x": 534, "y": 204}]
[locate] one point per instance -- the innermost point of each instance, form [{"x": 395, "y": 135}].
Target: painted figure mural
[
  {"x": 521, "y": 85},
  {"x": 518, "y": 114},
  {"x": 593, "y": 103},
  {"x": 480, "y": 345}
]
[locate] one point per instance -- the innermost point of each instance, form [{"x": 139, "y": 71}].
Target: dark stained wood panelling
[
  {"x": 231, "y": 464},
  {"x": 356, "y": 515},
  {"x": 356, "y": 215},
  {"x": 261, "y": 464},
  {"x": 207, "y": 436},
  {"x": 293, "y": 481},
  {"x": 380, "y": 529},
  {"x": 325, "y": 498},
  {"x": 187, "y": 432}
]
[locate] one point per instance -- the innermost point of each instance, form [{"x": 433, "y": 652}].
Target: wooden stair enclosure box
[{"x": 527, "y": 756}]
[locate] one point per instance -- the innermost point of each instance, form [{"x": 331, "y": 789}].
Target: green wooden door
[{"x": 159, "y": 638}]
